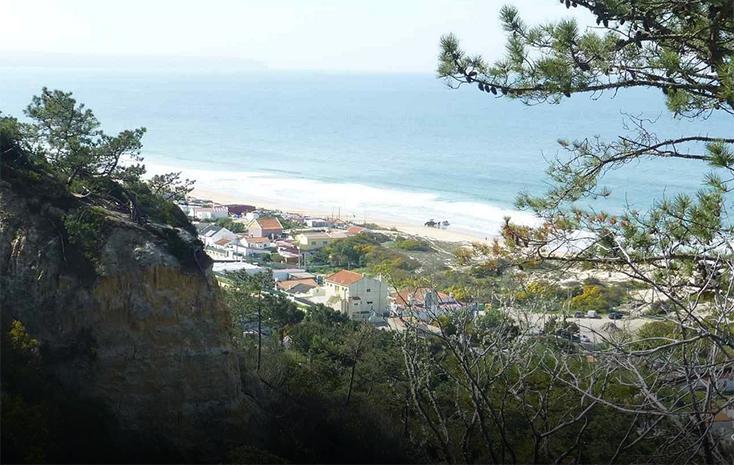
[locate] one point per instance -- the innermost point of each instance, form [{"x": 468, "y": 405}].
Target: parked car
[
  {"x": 592, "y": 314},
  {"x": 615, "y": 316},
  {"x": 578, "y": 315}
]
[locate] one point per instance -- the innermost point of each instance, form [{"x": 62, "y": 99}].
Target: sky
[{"x": 329, "y": 35}]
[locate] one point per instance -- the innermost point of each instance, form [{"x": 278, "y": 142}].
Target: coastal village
[{"x": 284, "y": 244}]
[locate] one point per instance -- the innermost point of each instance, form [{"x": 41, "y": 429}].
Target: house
[
  {"x": 216, "y": 233},
  {"x": 260, "y": 243},
  {"x": 281, "y": 274},
  {"x": 288, "y": 256},
  {"x": 316, "y": 223},
  {"x": 212, "y": 212},
  {"x": 422, "y": 303},
  {"x": 310, "y": 241},
  {"x": 265, "y": 227},
  {"x": 203, "y": 228},
  {"x": 297, "y": 286},
  {"x": 355, "y": 294},
  {"x": 354, "y": 230},
  {"x": 288, "y": 251},
  {"x": 252, "y": 216},
  {"x": 224, "y": 248}
]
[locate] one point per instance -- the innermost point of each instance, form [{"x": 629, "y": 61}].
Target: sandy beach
[{"x": 445, "y": 234}]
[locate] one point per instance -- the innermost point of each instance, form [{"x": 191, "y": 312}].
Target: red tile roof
[
  {"x": 353, "y": 230},
  {"x": 345, "y": 277},
  {"x": 408, "y": 296},
  {"x": 291, "y": 283},
  {"x": 223, "y": 241},
  {"x": 269, "y": 223}
]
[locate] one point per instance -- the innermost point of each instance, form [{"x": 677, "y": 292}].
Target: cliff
[{"x": 125, "y": 313}]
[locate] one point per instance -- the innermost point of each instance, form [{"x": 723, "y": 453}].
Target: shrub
[
  {"x": 84, "y": 229},
  {"x": 413, "y": 245},
  {"x": 540, "y": 290},
  {"x": 232, "y": 225},
  {"x": 598, "y": 297}
]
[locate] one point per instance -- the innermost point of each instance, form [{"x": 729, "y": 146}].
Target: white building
[
  {"x": 285, "y": 273},
  {"x": 316, "y": 223},
  {"x": 210, "y": 213},
  {"x": 314, "y": 240},
  {"x": 260, "y": 243},
  {"x": 355, "y": 294},
  {"x": 213, "y": 234},
  {"x": 204, "y": 212},
  {"x": 249, "y": 268}
]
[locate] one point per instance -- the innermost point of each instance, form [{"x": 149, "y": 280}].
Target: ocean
[{"x": 369, "y": 146}]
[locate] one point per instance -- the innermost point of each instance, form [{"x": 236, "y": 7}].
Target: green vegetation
[
  {"x": 234, "y": 226},
  {"x": 364, "y": 250},
  {"x": 64, "y": 139},
  {"x": 414, "y": 245},
  {"x": 597, "y": 297},
  {"x": 85, "y": 229},
  {"x": 288, "y": 223},
  {"x": 475, "y": 388},
  {"x": 340, "y": 377},
  {"x": 62, "y": 158},
  {"x": 675, "y": 249}
]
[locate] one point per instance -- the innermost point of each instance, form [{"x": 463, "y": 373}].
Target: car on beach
[
  {"x": 615, "y": 316},
  {"x": 578, "y": 315}
]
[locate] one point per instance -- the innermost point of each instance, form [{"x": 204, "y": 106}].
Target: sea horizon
[{"x": 371, "y": 145}]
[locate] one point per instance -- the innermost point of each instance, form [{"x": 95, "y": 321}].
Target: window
[
  {"x": 356, "y": 304},
  {"x": 369, "y": 302},
  {"x": 368, "y": 290}
]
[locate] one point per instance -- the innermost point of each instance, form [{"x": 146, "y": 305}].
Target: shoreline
[
  {"x": 444, "y": 235},
  {"x": 403, "y": 210}
]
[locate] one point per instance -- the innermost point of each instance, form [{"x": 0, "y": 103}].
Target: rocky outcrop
[{"x": 125, "y": 313}]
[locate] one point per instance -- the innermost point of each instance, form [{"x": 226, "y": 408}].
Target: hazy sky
[{"x": 343, "y": 35}]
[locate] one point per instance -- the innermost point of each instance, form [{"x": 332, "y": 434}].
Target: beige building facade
[{"x": 356, "y": 295}]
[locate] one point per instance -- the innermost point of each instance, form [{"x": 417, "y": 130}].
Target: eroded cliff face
[{"x": 133, "y": 320}]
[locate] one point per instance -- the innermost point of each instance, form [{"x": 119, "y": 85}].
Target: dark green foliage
[
  {"x": 85, "y": 229},
  {"x": 183, "y": 251},
  {"x": 331, "y": 399},
  {"x": 642, "y": 43},
  {"x": 158, "y": 209},
  {"x": 45, "y": 169},
  {"x": 415, "y": 245},
  {"x": 281, "y": 314},
  {"x": 64, "y": 141},
  {"x": 67, "y": 135},
  {"x": 170, "y": 186}
]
